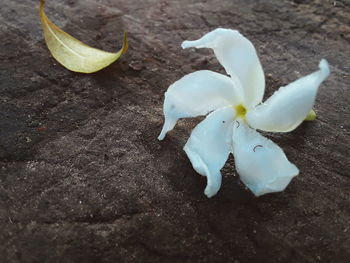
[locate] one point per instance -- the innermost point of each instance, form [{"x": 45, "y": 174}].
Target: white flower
[{"x": 236, "y": 108}]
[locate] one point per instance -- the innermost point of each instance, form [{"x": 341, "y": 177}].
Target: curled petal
[
  {"x": 238, "y": 56},
  {"x": 290, "y": 105},
  {"x": 262, "y": 165},
  {"x": 209, "y": 146},
  {"x": 197, "y": 94}
]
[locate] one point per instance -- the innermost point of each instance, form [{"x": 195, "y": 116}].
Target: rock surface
[{"x": 83, "y": 177}]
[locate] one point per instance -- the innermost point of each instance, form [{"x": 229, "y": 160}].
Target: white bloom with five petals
[{"x": 236, "y": 111}]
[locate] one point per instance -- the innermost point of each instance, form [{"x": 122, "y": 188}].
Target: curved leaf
[{"x": 74, "y": 54}]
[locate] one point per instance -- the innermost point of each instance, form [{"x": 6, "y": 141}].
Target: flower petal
[
  {"x": 197, "y": 94},
  {"x": 290, "y": 105},
  {"x": 262, "y": 165},
  {"x": 238, "y": 56},
  {"x": 209, "y": 146}
]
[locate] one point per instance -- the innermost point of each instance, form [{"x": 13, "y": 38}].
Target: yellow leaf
[{"x": 74, "y": 54}]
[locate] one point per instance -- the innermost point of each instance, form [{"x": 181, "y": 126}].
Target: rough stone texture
[{"x": 83, "y": 177}]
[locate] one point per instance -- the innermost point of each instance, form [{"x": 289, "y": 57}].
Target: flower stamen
[{"x": 241, "y": 111}]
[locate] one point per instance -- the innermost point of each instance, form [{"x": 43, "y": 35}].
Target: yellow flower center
[{"x": 241, "y": 111}]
